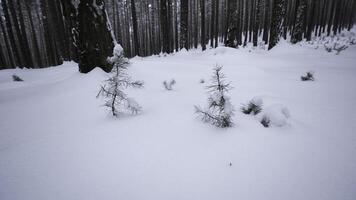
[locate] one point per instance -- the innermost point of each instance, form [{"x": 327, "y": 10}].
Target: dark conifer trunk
[
  {"x": 95, "y": 41},
  {"x": 164, "y": 26},
  {"x": 202, "y": 28},
  {"x": 184, "y": 43},
  {"x": 297, "y": 33},
  {"x": 134, "y": 26},
  {"x": 257, "y": 23},
  {"x": 266, "y": 21},
  {"x": 276, "y": 21},
  {"x": 232, "y": 23}
]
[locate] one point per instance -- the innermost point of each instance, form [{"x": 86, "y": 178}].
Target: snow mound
[
  {"x": 277, "y": 114},
  {"x": 258, "y": 101}
]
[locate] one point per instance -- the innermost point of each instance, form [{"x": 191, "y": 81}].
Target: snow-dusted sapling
[
  {"x": 219, "y": 111},
  {"x": 113, "y": 92},
  {"x": 265, "y": 121},
  {"x": 338, "y": 47},
  {"x": 253, "y": 107},
  {"x": 309, "y": 76},
  {"x": 335, "y": 46},
  {"x": 169, "y": 85},
  {"x": 16, "y": 78}
]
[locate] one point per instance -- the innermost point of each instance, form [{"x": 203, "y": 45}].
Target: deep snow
[{"x": 57, "y": 142}]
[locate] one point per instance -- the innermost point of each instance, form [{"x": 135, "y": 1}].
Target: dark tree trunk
[
  {"x": 257, "y": 23},
  {"x": 202, "y": 28},
  {"x": 217, "y": 5},
  {"x": 297, "y": 34},
  {"x": 95, "y": 41},
  {"x": 184, "y": 43},
  {"x": 7, "y": 44},
  {"x": 232, "y": 23},
  {"x": 246, "y": 22},
  {"x": 11, "y": 33},
  {"x": 134, "y": 23},
  {"x": 70, "y": 16},
  {"x": 24, "y": 40},
  {"x": 276, "y": 21},
  {"x": 36, "y": 47},
  {"x": 164, "y": 26},
  {"x": 266, "y": 22},
  {"x": 311, "y": 24},
  {"x": 212, "y": 24}
]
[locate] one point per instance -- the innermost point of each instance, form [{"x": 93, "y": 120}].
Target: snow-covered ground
[{"x": 58, "y": 143}]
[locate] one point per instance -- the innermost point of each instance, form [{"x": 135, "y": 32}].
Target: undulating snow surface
[{"x": 58, "y": 143}]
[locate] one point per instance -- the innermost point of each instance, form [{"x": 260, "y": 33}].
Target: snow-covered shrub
[
  {"x": 352, "y": 41},
  {"x": 16, "y": 78},
  {"x": 219, "y": 111},
  {"x": 113, "y": 92},
  {"x": 309, "y": 76},
  {"x": 265, "y": 121},
  {"x": 253, "y": 107},
  {"x": 338, "y": 47},
  {"x": 275, "y": 115},
  {"x": 169, "y": 85},
  {"x": 328, "y": 47},
  {"x": 333, "y": 43},
  {"x": 337, "y": 44},
  {"x": 202, "y": 81}
]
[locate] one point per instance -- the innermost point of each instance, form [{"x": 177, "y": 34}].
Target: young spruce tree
[
  {"x": 116, "y": 99},
  {"x": 220, "y": 110}
]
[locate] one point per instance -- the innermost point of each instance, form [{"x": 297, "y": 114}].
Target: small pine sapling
[
  {"x": 309, "y": 76},
  {"x": 265, "y": 121},
  {"x": 339, "y": 47},
  {"x": 253, "y": 107},
  {"x": 16, "y": 78},
  {"x": 169, "y": 86},
  {"x": 219, "y": 111},
  {"x": 119, "y": 80}
]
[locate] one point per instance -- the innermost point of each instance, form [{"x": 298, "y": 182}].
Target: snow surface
[{"x": 57, "y": 142}]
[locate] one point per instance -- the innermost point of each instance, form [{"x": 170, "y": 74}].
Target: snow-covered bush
[
  {"x": 338, "y": 47},
  {"x": 309, "y": 76},
  {"x": 112, "y": 91},
  {"x": 169, "y": 85},
  {"x": 219, "y": 111},
  {"x": 202, "y": 81},
  {"x": 265, "y": 121},
  {"x": 275, "y": 115},
  {"x": 16, "y": 78},
  {"x": 328, "y": 47},
  {"x": 253, "y": 107},
  {"x": 333, "y": 43}
]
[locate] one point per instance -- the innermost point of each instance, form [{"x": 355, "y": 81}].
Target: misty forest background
[{"x": 42, "y": 33}]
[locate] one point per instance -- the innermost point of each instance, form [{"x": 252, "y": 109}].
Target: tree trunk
[
  {"x": 297, "y": 33},
  {"x": 184, "y": 43},
  {"x": 276, "y": 21},
  {"x": 202, "y": 28},
  {"x": 134, "y": 23},
  {"x": 95, "y": 41},
  {"x": 232, "y": 23}
]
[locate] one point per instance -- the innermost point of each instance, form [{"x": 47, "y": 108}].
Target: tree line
[{"x": 41, "y": 33}]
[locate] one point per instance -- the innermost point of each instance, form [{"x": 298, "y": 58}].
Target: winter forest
[
  {"x": 178, "y": 99},
  {"x": 42, "y": 33}
]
